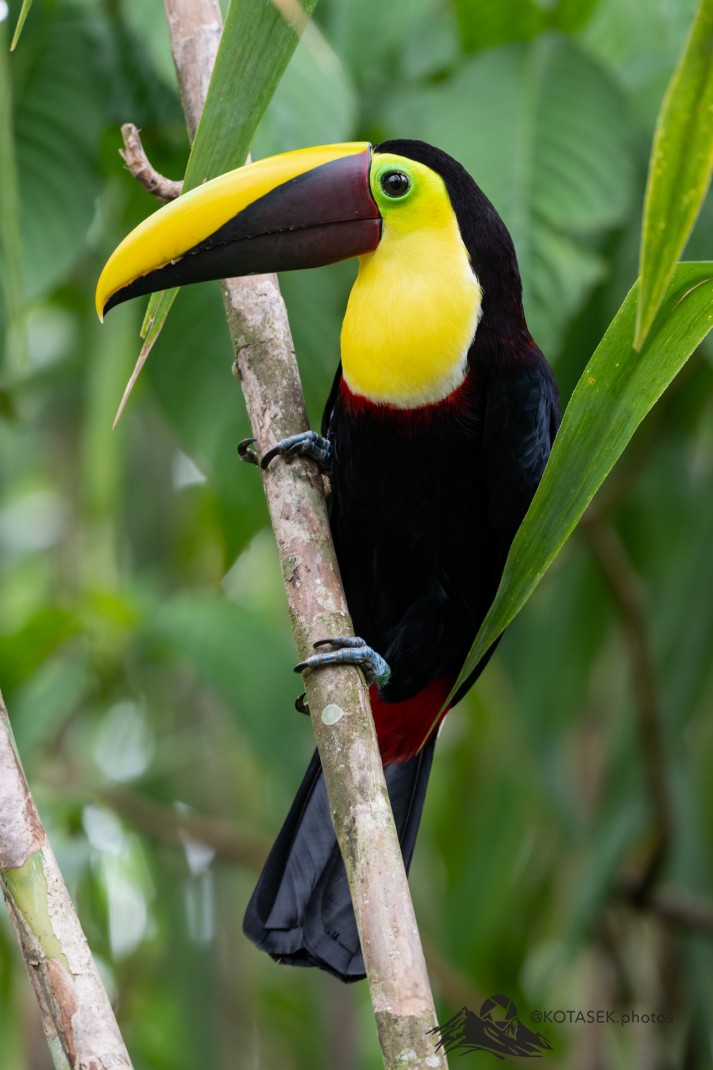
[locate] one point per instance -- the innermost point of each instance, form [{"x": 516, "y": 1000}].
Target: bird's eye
[{"x": 395, "y": 183}]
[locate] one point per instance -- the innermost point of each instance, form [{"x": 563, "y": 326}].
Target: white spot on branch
[{"x": 332, "y": 713}]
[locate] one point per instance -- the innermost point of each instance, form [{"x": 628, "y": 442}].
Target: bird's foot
[
  {"x": 307, "y": 444},
  {"x": 351, "y": 650}
]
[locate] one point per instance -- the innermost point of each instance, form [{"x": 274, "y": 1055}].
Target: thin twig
[
  {"x": 626, "y": 590},
  {"x": 76, "y": 1014},
  {"x": 396, "y": 970},
  {"x": 230, "y": 843},
  {"x": 137, "y": 162},
  {"x": 676, "y": 908}
]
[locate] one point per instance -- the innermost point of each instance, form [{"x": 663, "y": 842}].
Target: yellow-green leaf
[
  {"x": 257, "y": 42},
  {"x": 617, "y": 389},
  {"x": 24, "y": 12},
  {"x": 680, "y": 168},
  {"x": 11, "y": 304}
]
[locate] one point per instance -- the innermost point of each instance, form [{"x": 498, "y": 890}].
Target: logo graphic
[{"x": 496, "y": 1029}]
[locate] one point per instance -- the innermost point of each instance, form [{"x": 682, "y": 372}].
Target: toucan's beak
[{"x": 301, "y": 209}]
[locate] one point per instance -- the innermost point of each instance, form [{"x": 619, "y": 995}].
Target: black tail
[{"x": 301, "y": 910}]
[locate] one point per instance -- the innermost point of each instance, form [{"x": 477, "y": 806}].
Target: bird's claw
[
  {"x": 301, "y": 704},
  {"x": 246, "y": 453},
  {"x": 350, "y": 650},
  {"x": 307, "y": 444}
]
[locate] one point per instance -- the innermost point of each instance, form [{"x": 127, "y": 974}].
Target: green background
[{"x": 145, "y": 652}]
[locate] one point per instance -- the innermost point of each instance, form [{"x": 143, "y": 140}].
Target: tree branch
[
  {"x": 137, "y": 162},
  {"x": 338, "y": 698},
  {"x": 76, "y": 1014},
  {"x": 676, "y": 908}
]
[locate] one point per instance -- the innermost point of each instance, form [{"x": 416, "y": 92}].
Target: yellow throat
[{"x": 414, "y": 308}]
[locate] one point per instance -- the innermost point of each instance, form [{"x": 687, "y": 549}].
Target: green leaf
[
  {"x": 255, "y": 47},
  {"x": 155, "y": 316},
  {"x": 10, "y": 242},
  {"x": 570, "y": 15},
  {"x": 486, "y": 25},
  {"x": 370, "y": 35},
  {"x": 680, "y": 168},
  {"x": 639, "y": 45},
  {"x": 489, "y": 25},
  {"x": 34, "y": 643},
  {"x": 617, "y": 389},
  {"x": 263, "y": 42},
  {"x": 191, "y": 380},
  {"x": 148, "y": 26},
  {"x": 240, "y": 654},
  {"x": 24, "y": 12},
  {"x": 547, "y": 137},
  {"x": 315, "y": 72},
  {"x": 58, "y": 122}
]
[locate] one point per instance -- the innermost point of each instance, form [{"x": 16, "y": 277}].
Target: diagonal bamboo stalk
[
  {"x": 77, "y": 1018},
  {"x": 338, "y": 699}
]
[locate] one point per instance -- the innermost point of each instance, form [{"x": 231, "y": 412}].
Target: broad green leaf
[
  {"x": 143, "y": 81},
  {"x": 202, "y": 403},
  {"x": 486, "y": 25},
  {"x": 148, "y": 25},
  {"x": 255, "y": 47},
  {"x": 617, "y": 389},
  {"x": 431, "y": 48},
  {"x": 547, "y": 138},
  {"x": 639, "y": 44},
  {"x": 33, "y": 644},
  {"x": 315, "y": 72},
  {"x": 240, "y": 654},
  {"x": 680, "y": 168},
  {"x": 369, "y": 35},
  {"x": 58, "y": 123},
  {"x": 24, "y": 12},
  {"x": 571, "y": 15}
]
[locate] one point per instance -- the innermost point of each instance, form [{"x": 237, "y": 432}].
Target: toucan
[{"x": 435, "y": 435}]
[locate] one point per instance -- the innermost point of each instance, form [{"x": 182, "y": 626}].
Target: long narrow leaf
[
  {"x": 24, "y": 12},
  {"x": 257, "y": 43},
  {"x": 680, "y": 168},
  {"x": 618, "y": 388},
  {"x": 11, "y": 297}
]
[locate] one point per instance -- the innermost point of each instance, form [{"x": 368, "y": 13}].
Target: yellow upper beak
[{"x": 299, "y": 209}]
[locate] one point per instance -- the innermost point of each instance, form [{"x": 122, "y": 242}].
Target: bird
[{"x": 435, "y": 435}]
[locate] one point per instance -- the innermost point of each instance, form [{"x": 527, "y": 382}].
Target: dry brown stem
[{"x": 134, "y": 156}]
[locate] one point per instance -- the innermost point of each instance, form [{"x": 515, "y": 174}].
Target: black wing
[
  {"x": 329, "y": 407},
  {"x": 521, "y": 420}
]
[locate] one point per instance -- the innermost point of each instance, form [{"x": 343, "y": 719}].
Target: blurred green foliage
[{"x": 144, "y": 643}]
